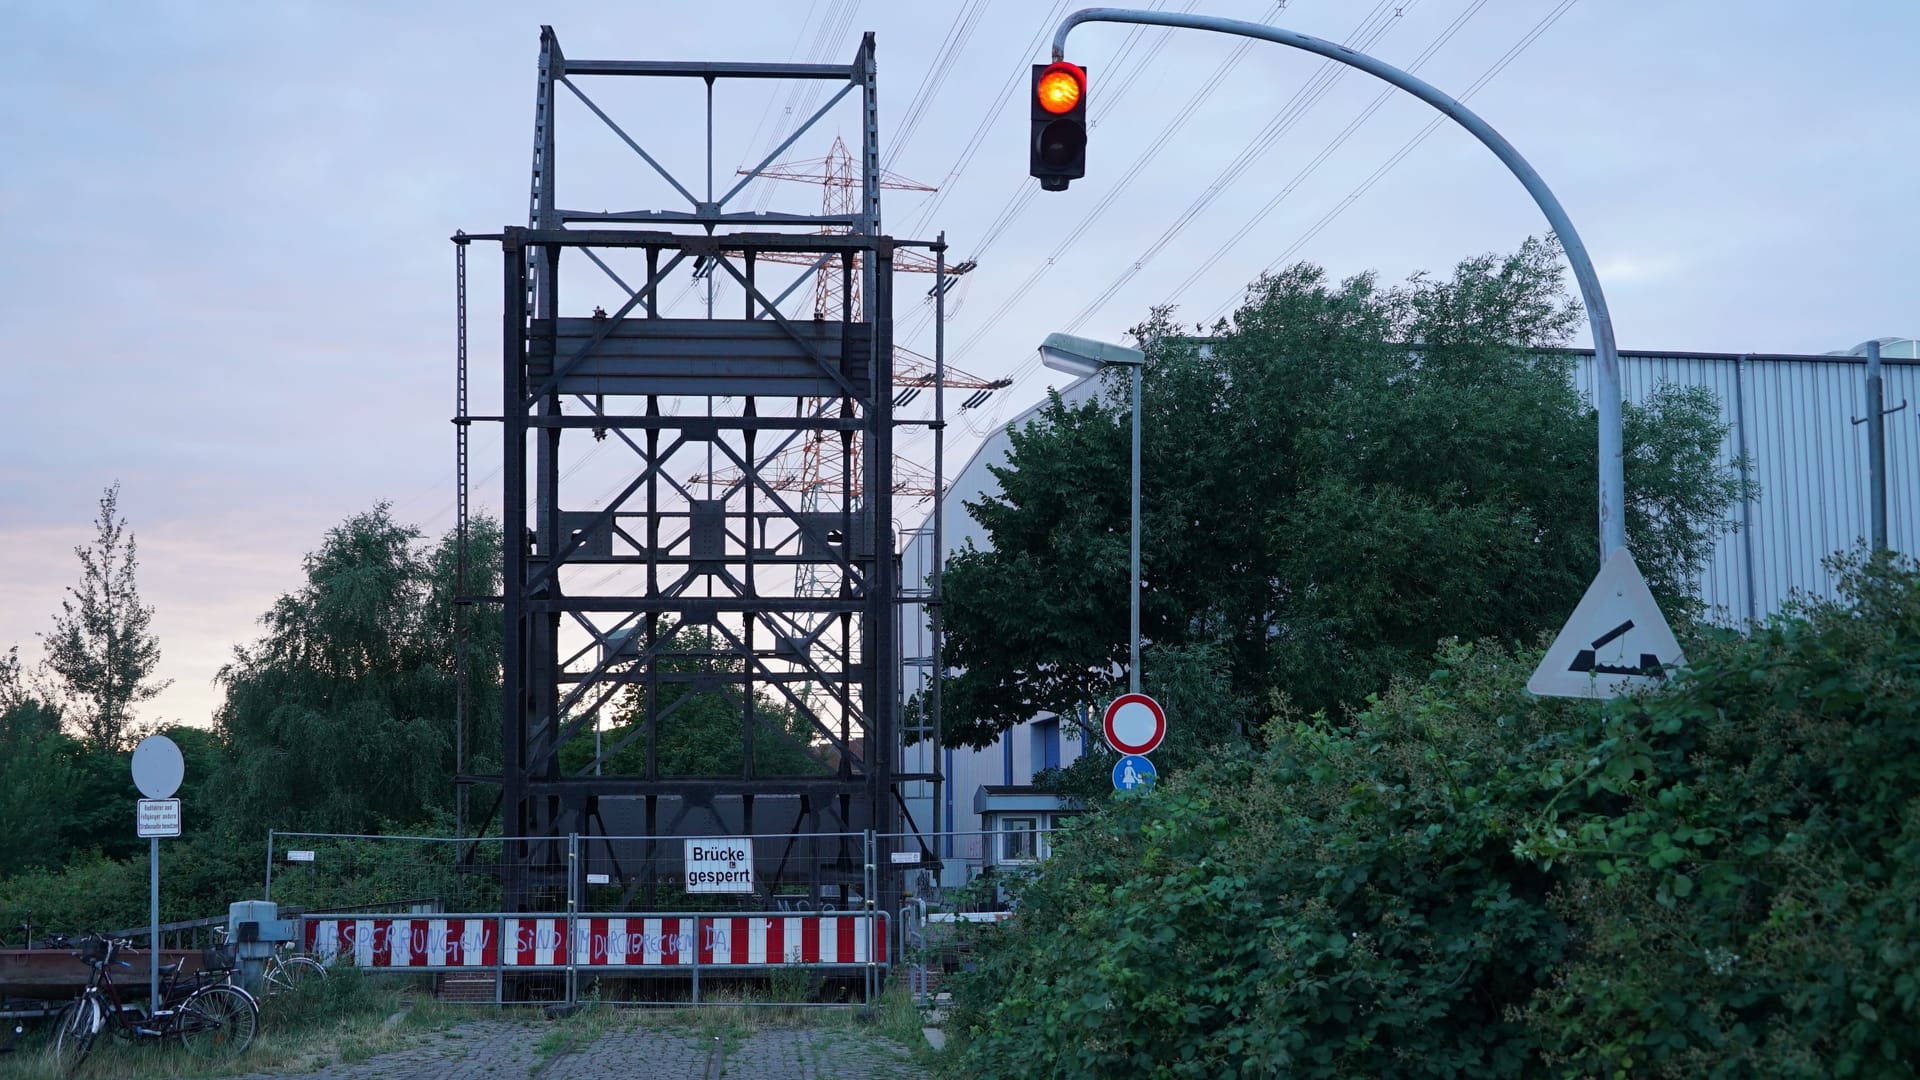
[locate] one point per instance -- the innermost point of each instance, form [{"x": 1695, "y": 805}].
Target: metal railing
[
  {"x": 791, "y": 917},
  {"x": 777, "y": 919}
]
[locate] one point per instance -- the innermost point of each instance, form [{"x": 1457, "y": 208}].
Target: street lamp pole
[
  {"x": 1085, "y": 356},
  {"x": 1133, "y": 613},
  {"x": 1613, "y": 529}
]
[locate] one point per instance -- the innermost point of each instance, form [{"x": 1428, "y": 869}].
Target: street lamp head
[{"x": 1085, "y": 356}]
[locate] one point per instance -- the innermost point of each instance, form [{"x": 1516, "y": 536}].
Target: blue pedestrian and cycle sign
[{"x": 1132, "y": 773}]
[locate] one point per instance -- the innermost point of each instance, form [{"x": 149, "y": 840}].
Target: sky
[{"x": 227, "y": 283}]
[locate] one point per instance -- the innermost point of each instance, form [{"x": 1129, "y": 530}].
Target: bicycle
[
  {"x": 287, "y": 970},
  {"x": 211, "y": 1017}
]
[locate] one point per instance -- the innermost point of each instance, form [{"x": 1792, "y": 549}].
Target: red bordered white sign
[{"x": 1135, "y": 724}]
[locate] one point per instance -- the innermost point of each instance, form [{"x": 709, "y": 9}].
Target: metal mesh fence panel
[
  {"x": 430, "y": 906},
  {"x": 951, "y": 884},
  {"x": 412, "y": 874},
  {"x": 792, "y": 873}
]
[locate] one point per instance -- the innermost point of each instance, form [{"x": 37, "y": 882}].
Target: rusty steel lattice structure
[
  {"x": 804, "y": 468},
  {"x": 703, "y": 608}
]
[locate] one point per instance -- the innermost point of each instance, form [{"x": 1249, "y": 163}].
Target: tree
[
  {"x": 36, "y": 789},
  {"x": 19, "y": 684},
  {"x": 1347, "y": 475},
  {"x": 701, "y": 730},
  {"x": 342, "y": 715},
  {"x": 102, "y": 648}
]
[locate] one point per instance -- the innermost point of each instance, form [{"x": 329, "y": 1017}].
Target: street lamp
[{"x": 1084, "y": 356}]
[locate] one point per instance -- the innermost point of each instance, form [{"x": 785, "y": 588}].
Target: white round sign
[
  {"x": 1135, "y": 724},
  {"x": 158, "y": 767}
]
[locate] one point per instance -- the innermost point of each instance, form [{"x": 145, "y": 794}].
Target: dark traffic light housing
[{"x": 1057, "y": 153}]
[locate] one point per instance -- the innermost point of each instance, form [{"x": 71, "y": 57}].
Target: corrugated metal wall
[{"x": 1792, "y": 416}]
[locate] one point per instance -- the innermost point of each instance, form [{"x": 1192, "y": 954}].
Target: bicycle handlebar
[{"x": 108, "y": 946}]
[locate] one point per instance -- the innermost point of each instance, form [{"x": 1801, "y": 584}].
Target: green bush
[
  {"x": 1346, "y": 903},
  {"x": 1468, "y": 881},
  {"x": 1753, "y": 904},
  {"x": 199, "y": 876},
  {"x": 91, "y": 893}
]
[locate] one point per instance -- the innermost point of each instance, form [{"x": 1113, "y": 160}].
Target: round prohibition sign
[{"x": 1135, "y": 724}]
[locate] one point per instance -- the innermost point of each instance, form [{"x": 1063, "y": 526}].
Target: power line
[
  {"x": 1003, "y": 100},
  {"x": 1365, "y": 35},
  {"x": 1024, "y": 191},
  {"x": 793, "y": 87},
  {"x": 945, "y": 59},
  {"x": 1400, "y": 155},
  {"x": 774, "y": 95},
  {"x": 1232, "y": 237},
  {"x": 833, "y": 29}
]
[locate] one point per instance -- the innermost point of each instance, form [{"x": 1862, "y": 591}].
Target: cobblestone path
[{"x": 511, "y": 1050}]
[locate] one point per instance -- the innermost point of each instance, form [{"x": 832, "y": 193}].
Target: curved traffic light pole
[{"x": 1613, "y": 528}]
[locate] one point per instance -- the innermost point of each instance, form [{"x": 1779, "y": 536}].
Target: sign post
[{"x": 158, "y": 769}]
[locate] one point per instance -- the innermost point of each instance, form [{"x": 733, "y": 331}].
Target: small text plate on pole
[
  {"x": 1135, "y": 724},
  {"x": 719, "y": 866},
  {"x": 1615, "y": 642},
  {"x": 1134, "y": 773},
  {"x": 159, "y": 817},
  {"x": 158, "y": 767},
  {"x": 299, "y": 855}
]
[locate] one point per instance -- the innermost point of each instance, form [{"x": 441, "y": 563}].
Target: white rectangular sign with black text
[
  {"x": 159, "y": 817},
  {"x": 719, "y": 866}
]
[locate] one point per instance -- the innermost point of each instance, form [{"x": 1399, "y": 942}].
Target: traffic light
[{"x": 1058, "y": 152}]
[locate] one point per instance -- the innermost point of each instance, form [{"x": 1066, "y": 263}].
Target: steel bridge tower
[{"x": 668, "y": 591}]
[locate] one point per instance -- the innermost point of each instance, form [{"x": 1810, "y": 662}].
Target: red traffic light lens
[{"x": 1060, "y": 88}]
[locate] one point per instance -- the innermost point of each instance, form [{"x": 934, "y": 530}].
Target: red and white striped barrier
[
  {"x": 533, "y": 942},
  {"x": 613, "y": 941},
  {"x": 634, "y": 941},
  {"x": 404, "y": 943},
  {"x": 759, "y": 940}
]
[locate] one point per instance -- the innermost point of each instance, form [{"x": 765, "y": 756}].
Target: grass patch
[
  {"x": 349, "y": 1017},
  {"x": 897, "y": 1018},
  {"x": 894, "y": 1018},
  {"x": 352, "y": 1018},
  {"x": 581, "y": 1028}
]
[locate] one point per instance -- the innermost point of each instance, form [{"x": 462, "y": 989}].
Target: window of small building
[{"x": 1019, "y": 839}]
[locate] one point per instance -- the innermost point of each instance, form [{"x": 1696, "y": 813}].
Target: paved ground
[{"x": 510, "y": 1050}]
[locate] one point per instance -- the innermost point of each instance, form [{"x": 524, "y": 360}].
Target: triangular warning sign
[{"x": 1615, "y": 642}]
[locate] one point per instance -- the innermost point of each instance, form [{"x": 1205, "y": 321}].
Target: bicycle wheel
[
  {"x": 73, "y": 1034},
  {"x": 217, "y": 1022},
  {"x": 293, "y": 973}
]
